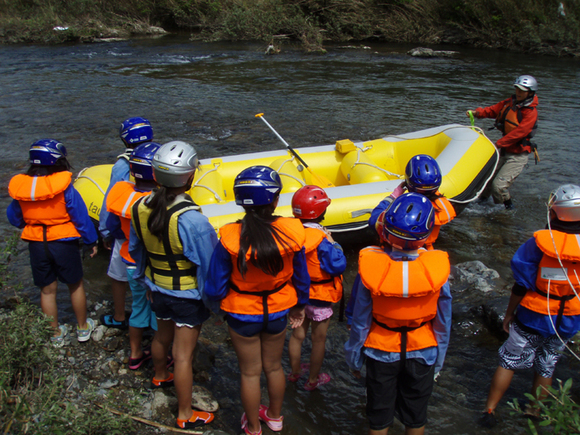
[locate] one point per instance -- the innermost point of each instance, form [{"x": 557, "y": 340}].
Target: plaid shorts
[{"x": 524, "y": 349}]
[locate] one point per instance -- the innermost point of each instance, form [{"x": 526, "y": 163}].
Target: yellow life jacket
[
  {"x": 167, "y": 267},
  {"x": 405, "y": 295},
  {"x": 43, "y": 206},
  {"x": 323, "y": 286}
]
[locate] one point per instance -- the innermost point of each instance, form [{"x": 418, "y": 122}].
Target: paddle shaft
[{"x": 294, "y": 153}]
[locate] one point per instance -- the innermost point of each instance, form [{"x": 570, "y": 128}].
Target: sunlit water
[{"x": 208, "y": 94}]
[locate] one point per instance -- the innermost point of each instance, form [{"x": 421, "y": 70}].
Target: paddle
[{"x": 319, "y": 180}]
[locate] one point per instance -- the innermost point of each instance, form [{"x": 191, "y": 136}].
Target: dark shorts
[
  {"x": 249, "y": 329},
  {"x": 397, "y": 390},
  {"x": 55, "y": 260},
  {"x": 184, "y": 312}
]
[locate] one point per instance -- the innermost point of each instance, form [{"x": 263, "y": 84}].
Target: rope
[
  {"x": 90, "y": 179},
  {"x": 215, "y": 194},
  {"x": 569, "y": 282},
  {"x": 372, "y": 165}
]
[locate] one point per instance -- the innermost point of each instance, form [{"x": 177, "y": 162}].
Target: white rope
[
  {"x": 215, "y": 168},
  {"x": 372, "y": 165},
  {"x": 90, "y": 179},
  {"x": 302, "y": 182},
  {"x": 569, "y": 282}
]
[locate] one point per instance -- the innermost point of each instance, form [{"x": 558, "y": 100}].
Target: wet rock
[
  {"x": 112, "y": 332},
  {"x": 493, "y": 313},
  {"x": 114, "y": 367},
  {"x": 108, "y": 383},
  {"x": 112, "y": 344},
  {"x": 162, "y": 403},
  {"x": 98, "y": 333},
  {"x": 205, "y": 352},
  {"x": 473, "y": 275},
  {"x": 428, "y": 52},
  {"x": 203, "y": 400}
]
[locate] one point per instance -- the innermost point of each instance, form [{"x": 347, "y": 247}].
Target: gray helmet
[
  {"x": 174, "y": 163},
  {"x": 565, "y": 201},
  {"x": 526, "y": 83}
]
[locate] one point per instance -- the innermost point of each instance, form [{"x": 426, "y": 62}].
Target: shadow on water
[{"x": 208, "y": 94}]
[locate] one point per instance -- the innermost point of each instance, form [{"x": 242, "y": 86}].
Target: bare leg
[
  {"x": 415, "y": 431},
  {"x": 272, "y": 349},
  {"x": 118, "y": 289},
  {"x": 135, "y": 338},
  {"x": 160, "y": 347},
  {"x": 78, "y": 301},
  {"x": 499, "y": 384},
  {"x": 295, "y": 345},
  {"x": 318, "y": 348},
  {"x": 379, "y": 432},
  {"x": 48, "y": 304},
  {"x": 183, "y": 347},
  {"x": 249, "y": 352}
]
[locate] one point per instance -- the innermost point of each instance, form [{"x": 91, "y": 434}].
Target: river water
[{"x": 208, "y": 93}]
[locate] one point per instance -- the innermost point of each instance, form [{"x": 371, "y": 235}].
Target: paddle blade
[{"x": 319, "y": 180}]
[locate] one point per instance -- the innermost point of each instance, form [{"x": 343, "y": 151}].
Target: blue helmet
[
  {"x": 135, "y": 131},
  {"x": 140, "y": 160},
  {"x": 46, "y": 152},
  {"x": 257, "y": 185},
  {"x": 422, "y": 174},
  {"x": 408, "y": 221}
]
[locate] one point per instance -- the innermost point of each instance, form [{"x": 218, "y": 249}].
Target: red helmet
[{"x": 309, "y": 202}]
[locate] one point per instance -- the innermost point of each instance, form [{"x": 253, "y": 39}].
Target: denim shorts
[
  {"x": 184, "y": 312},
  {"x": 117, "y": 267},
  {"x": 249, "y": 329},
  {"x": 55, "y": 260}
]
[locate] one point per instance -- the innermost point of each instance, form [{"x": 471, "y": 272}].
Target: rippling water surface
[{"x": 208, "y": 94}]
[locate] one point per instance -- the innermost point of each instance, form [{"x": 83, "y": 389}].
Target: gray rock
[
  {"x": 428, "y": 52},
  {"x": 108, "y": 383},
  {"x": 98, "y": 333},
  {"x": 203, "y": 400},
  {"x": 473, "y": 275}
]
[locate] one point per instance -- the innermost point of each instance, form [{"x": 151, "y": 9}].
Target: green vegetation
[
  {"x": 33, "y": 393},
  {"x": 525, "y": 25},
  {"x": 559, "y": 414}
]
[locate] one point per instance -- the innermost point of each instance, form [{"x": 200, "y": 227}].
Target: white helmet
[
  {"x": 174, "y": 163},
  {"x": 526, "y": 83},
  {"x": 565, "y": 201}
]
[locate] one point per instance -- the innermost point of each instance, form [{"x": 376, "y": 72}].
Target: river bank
[{"x": 535, "y": 27}]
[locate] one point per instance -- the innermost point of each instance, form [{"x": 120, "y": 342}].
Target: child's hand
[
  {"x": 399, "y": 190},
  {"x": 328, "y": 234},
  {"x": 296, "y": 317}
]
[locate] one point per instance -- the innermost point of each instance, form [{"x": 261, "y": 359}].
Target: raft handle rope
[
  {"x": 372, "y": 165},
  {"x": 302, "y": 182},
  {"x": 215, "y": 168},
  {"x": 90, "y": 179},
  {"x": 569, "y": 282}
]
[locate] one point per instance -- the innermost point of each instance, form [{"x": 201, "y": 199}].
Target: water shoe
[
  {"x": 58, "y": 340},
  {"x": 244, "y": 423},
  {"x": 293, "y": 377},
  {"x": 322, "y": 379},
  {"x": 197, "y": 419},
  {"x": 109, "y": 321},
  {"x": 162, "y": 383},
  {"x": 487, "y": 420},
  {"x": 274, "y": 424},
  {"x": 135, "y": 363},
  {"x": 84, "y": 334}
]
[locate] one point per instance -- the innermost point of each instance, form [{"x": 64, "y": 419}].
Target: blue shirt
[
  {"x": 75, "y": 207},
  {"x": 221, "y": 267},
  {"x": 362, "y": 319},
  {"x": 525, "y": 264},
  {"x": 198, "y": 238},
  {"x": 120, "y": 172}
]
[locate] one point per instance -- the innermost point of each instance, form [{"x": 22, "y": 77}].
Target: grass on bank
[
  {"x": 33, "y": 391},
  {"x": 516, "y": 24}
]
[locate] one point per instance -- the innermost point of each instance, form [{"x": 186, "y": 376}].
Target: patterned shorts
[
  {"x": 318, "y": 314},
  {"x": 523, "y": 350}
]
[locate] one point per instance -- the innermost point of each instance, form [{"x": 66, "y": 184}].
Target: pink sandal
[
  {"x": 293, "y": 377},
  {"x": 244, "y": 423},
  {"x": 322, "y": 379}
]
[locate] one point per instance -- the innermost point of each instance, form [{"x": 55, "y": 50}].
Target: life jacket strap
[
  {"x": 263, "y": 294},
  {"x": 403, "y": 330}
]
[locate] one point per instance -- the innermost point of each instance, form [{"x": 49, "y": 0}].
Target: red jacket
[{"x": 514, "y": 139}]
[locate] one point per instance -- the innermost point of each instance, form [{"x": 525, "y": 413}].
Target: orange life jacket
[
  {"x": 258, "y": 292},
  {"x": 405, "y": 295},
  {"x": 43, "y": 206},
  {"x": 120, "y": 200},
  {"x": 444, "y": 213},
  {"x": 552, "y": 280},
  {"x": 509, "y": 118},
  {"x": 323, "y": 286}
]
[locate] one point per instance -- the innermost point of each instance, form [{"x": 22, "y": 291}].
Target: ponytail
[
  {"x": 259, "y": 235},
  {"x": 161, "y": 197}
]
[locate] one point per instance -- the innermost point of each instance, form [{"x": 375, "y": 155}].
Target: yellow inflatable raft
[{"x": 363, "y": 173}]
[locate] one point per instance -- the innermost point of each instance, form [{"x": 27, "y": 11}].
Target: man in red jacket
[{"x": 517, "y": 118}]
